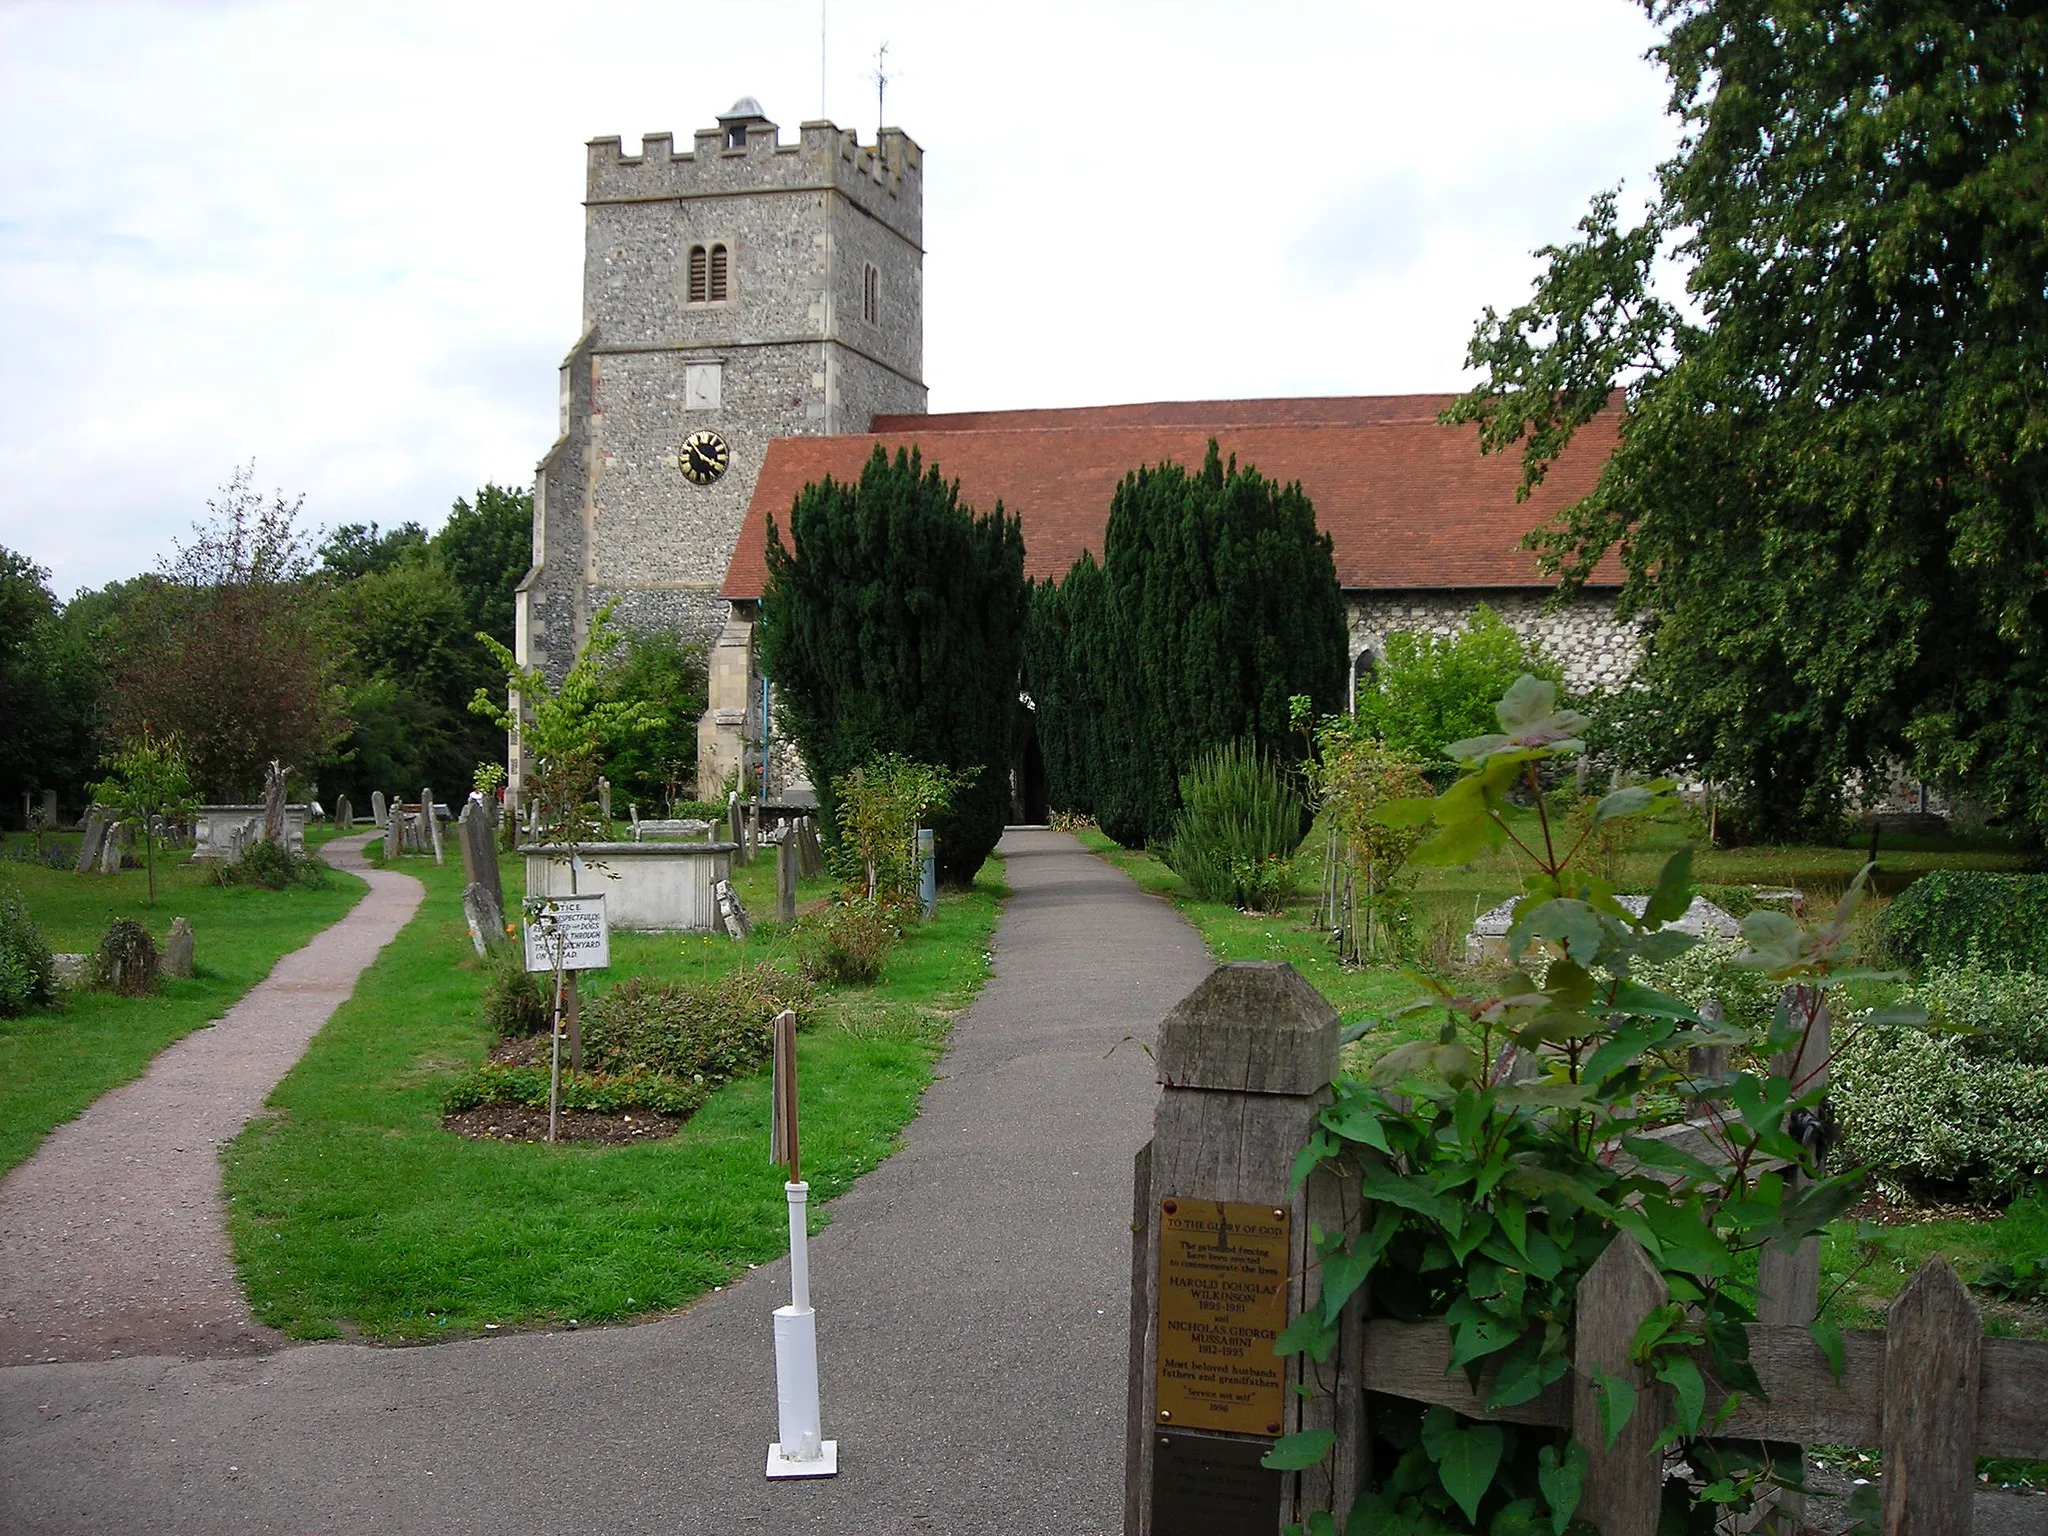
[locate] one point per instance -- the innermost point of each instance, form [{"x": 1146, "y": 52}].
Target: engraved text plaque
[{"x": 1222, "y": 1303}]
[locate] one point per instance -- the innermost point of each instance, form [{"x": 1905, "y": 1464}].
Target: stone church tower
[{"x": 746, "y": 290}]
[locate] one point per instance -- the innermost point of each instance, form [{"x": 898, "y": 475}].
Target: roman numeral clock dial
[{"x": 704, "y": 457}]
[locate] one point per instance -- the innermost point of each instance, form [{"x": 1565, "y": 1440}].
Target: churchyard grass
[
  {"x": 1450, "y": 898},
  {"x": 55, "y": 1063},
  {"x": 354, "y": 1213}
]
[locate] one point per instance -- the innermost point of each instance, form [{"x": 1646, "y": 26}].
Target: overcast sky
[{"x": 344, "y": 240}]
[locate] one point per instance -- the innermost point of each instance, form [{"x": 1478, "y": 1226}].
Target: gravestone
[
  {"x": 117, "y": 837},
  {"x": 604, "y": 802},
  {"x": 49, "y": 808},
  {"x": 95, "y": 833},
  {"x": 273, "y": 804},
  {"x": 480, "y": 852},
  {"x": 377, "y": 808},
  {"x": 812, "y": 863},
  {"x": 785, "y": 880},
  {"x": 394, "y": 833},
  {"x": 177, "y": 955},
  {"x": 344, "y": 815},
  {"x": 730, "y": 913},
  {"x": 485, "y": 915},
  {"x": 433, "y": 823}
]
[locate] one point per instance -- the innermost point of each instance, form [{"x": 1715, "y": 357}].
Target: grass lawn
[
  {"x": 354, "y": 1213},
  {"x": 1451, "y": 897},
  {"x": 53, "y": 1064}
]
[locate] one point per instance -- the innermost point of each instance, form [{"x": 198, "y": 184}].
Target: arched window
[
  {"x": 707, "y": 276},
  {"x": 871, "y": 295}
]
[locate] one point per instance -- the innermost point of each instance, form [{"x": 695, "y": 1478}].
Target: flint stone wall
[{"x": 1596, "y": 649}]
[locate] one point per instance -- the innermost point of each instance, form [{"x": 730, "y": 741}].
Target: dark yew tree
[
  {"x": 1831, "y": 493},
  {"x": 1215, "y": 602},
  {"x": 894, "y": 622}
]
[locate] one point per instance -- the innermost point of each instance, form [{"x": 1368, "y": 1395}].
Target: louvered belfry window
[
  {"x": 717, "y": 273},
  {"x": 700, "y": 285}
]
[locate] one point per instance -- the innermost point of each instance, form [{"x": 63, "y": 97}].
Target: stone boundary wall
[{"x": 1598, "y": 651}]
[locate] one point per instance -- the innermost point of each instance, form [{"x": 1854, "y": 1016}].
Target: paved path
[
  {"x": 111, "y": 1238},
  {"x": 972, "y": 1296}
]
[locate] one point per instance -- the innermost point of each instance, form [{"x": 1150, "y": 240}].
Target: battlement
[{"x": 751, "y": 153}]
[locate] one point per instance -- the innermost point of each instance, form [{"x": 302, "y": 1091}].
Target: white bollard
[{"x": 803, "y": 1451}]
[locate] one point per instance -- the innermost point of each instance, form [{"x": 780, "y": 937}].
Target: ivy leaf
[
  {"x": 1829, "y": 1338},
  {"x": 1616, "y": 1399},
  {"x": 1296, "y": 1452},
  {"x": 1309, "y": 1334},
  {"x": 1354, "y": 1122},
  {"x": 1343, "y": 1273},
  {"x": 1688, "y": 1390},
  {"x": 1466, "y": 1464},
  {"x": 1562, "y": 1481}
]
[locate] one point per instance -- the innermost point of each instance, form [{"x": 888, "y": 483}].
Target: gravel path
[
  {"x": 973, "y": 1295},
  {"x": 111, "y": 1236}
]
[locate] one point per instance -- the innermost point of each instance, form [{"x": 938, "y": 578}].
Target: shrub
[
  {"x": 1427, "y": 691},
  {"x": 882, "y": 803},
  {"x": 854, "y": 940},
  {"x": 516, "y": 1002},
  {"x": 272, "y": 866},
  {"x": 604, "y": 1093},
  {"x": 1952, "y": 914},
  {"x": 126, "y": 960},
  {"x": 28, "y": 977},
  {"x": 1708, "y": 973},
  {"x": 1963, "y": 1103},
  {"x": 1237, "y": 830},
  {"x": 702, "y": 1032}
]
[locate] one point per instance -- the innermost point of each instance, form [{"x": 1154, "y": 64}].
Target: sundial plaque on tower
[{"x": 1222, "y": 1304}]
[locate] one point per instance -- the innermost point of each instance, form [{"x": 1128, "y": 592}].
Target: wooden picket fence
[{"x": 1242, "y": 1063}]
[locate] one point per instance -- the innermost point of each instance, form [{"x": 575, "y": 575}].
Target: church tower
[{"x": 745, "y": 290}]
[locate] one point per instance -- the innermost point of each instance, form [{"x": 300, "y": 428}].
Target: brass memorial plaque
[{"x": 1222, "y": 1303}]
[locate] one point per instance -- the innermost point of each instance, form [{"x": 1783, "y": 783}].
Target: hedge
[{"x": 1941, "y": 918}]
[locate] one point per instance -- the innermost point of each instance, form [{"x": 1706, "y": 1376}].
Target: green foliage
[
  {"x": 28, "y": 977},
  {"x": 126, "y": 960},
  {"x": 703, "y": 1032},
  {"x": 565, "y": 729},
  {"x": 1961, "y": 1103},
  {"x": 656, "y": 765},
  {"x": 604, "y": 1093},
  {"x": 1951, "y": 915},
  {"x": 1828, "y": 491},
  {"x": 230, "y": 649},
  {"x": 1353, "y": 774},
  {"x": 1238, "y": 826},
  {"x": 516, "y": 1002},
  {"x": 894, "y": 622},
  {"x": 1487, "y": 1198},
  {"x": 355, "y": 550},
  {"x": 2021, "y": 1280},
  {"x": 1215, "y": 603},
  {"x": 272, "y": 866},
  {"x": 854, "y": 940},
  {"x": 147, "y": 785},
  {"x": 487, "y": 546},
  {"x": 881, "y": 805},
  {"x": 49, "y": 685},
  {"x": 1712, "y": 971},
  {"x": 1428, "y": 691}
]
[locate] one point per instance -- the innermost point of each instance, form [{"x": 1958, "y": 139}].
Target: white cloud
[{"x": 346, "y": 241}]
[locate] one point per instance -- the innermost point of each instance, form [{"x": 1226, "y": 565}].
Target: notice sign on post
[
  {"x": 578, "y": 924},
  {"x": 1222, "y": 1303}
]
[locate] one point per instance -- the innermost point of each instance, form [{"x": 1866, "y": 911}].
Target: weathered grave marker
[
  {"x": 177, "y": 955},
  {"x": 730, "y": 913},
  {"x": 49, "y": 807},
  {"x": 377, "y": 808},
  {"x": 274, "y": 828},
  {"x": 394, "y": 834},
  {"x": 95, "y": 832},
  {"x": 736, "y": 830},
  {"x": 604, "y": 802},
  {"x": 785, "y": 879},
  {"x": 433, "y": 823}
]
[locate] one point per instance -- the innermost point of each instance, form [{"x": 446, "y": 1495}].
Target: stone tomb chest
[
  {"x": 653, "y": 887},
  {"x": 222, "y": 831}
]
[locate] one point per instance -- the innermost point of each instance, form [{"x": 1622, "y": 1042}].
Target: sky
[{"x": 343, "y": 241}]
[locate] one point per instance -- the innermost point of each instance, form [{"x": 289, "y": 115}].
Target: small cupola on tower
[{"x": 736, "y": 119}]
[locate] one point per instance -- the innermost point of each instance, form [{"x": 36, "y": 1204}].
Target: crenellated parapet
[{"x": 749, "y": 157}]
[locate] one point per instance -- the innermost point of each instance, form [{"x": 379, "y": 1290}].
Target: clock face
[{"x": 704, "y": 457}]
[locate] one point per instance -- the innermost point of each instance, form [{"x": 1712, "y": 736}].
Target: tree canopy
[
  {"x": 1829, "y": 490},
  {"x": 894, "y": 623}
]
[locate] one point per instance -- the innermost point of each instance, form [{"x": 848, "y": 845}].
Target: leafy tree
[
  {"x": 655, "y": 765},
  {"x": 1829, "y": 492},
  {"x": 357, "y": 549},
  {"x": 894, "y": 623},
  {"x": 1215, "y": 602},
  {"x": 230, "y": 650},
  {"x": 49, "y": 685},
  {"x": 147, "y": 784},
  {"x": 1428, "y": 691},
  {"x": 487, "y": 546}
]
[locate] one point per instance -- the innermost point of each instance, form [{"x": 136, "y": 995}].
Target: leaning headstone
[
  {"x": 110, "y": 855},
  {"x": 95, "y": 834},
  {"x": 604, "y": 802},
  {"x": 486, "y": 918},
  {"x": 813, "y": 863},
  {"x": 394, "y": 833},
  {"x": 344, "y": 815},
  {"x": 480, "y": 851},
  {"x": 433, "y": 823},
  {"x": 730, "y": 913},
  {"x": 177, "y": 955},
  {"x": 377, "y": 808}
]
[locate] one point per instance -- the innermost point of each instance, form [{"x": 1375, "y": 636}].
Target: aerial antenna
[{"x": 882, "y": 79}]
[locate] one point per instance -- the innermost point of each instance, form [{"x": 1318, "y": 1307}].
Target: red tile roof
[{"x": 1409, "y": 504}]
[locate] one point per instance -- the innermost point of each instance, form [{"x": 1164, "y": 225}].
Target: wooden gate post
[
  {"x": 1624, "y": 1485},
  {"x": 1933, "y": 1356},
  {"x": 1245, "y": 1063}
]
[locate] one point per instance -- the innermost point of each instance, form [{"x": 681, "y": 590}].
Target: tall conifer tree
[{"x": 894, "y": 622}]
